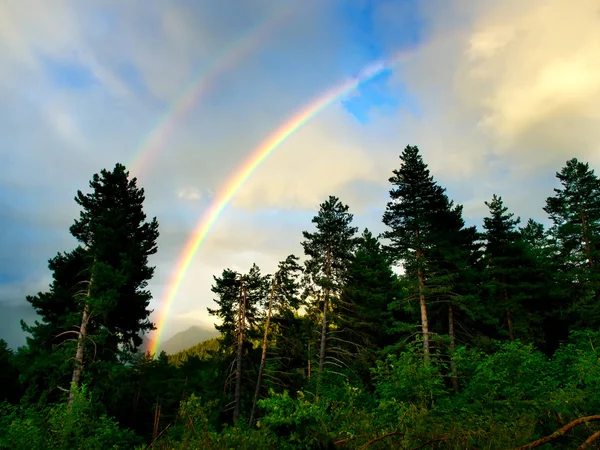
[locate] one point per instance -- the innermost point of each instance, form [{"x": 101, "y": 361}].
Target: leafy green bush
[{"x": 63, "y": 426}]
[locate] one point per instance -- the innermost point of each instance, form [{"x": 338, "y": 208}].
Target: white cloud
[
  {"x": 316, "y": 161},
  {"x": 189, "y": 193}
]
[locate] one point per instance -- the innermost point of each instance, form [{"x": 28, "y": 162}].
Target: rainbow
[
  {"x": 235, "y": 183},
  {"x": 191, "y": 94}
]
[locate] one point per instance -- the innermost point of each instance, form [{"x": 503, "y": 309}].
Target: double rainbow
[
  {"x": 245, "y": 171},
  {"x": 189, "y": 97}
]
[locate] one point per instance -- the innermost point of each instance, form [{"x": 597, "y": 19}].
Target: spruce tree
[
  {"x": 329, "y": 250},
  {"x": 503, "y": 258}
]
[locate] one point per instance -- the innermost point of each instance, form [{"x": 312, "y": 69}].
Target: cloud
[
  {"x": 189, "y": 193},
  {"x": 317, "y": 161},
  {"x": 540, "y": 71},
  {"x": 526, "y": 73}
]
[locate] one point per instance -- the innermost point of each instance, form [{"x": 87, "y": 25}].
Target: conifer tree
[
  {"x": 102, "y": 281},
  {"x": 238, "y": 298},
  {"x": 502, "y": 255},
  {"x": 283, "y": 300},
  {"x": 575, "y": 214},
  {"x": 329, "y": 250},
  {"x": 423, "y": 227}
]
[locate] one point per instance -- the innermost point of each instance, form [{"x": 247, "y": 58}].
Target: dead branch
[
  {"x": 560, "y": 433},
  {"x": 380, "y": 438},
  {"x": 157, "y": 436},
  {"x": 76, "y": 332},
  {"x": 588, "y": 441}
]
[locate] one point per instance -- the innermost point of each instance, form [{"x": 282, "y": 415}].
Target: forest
[{"x": 484, "y": 338}]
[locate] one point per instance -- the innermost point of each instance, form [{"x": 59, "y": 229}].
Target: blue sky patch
[
  {"x": 68, "y": 74},
  {"x": 367, "y": 44}
]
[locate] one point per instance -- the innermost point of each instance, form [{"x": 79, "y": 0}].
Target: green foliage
[
  {"x": 404, "y": 379},
  {"x": 63, "y": 426}
]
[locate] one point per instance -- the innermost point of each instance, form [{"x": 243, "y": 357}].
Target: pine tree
[
  {"x": 575, "y": 214},
  {"x": 422, "y": 227},
  {"x": 99, "y": 287},
  {"x": 329, "y": 250},
  {"x": 238, "y": 298},
  {"x": 113, "y": 229},
  {"x": 283, "y": 299}
]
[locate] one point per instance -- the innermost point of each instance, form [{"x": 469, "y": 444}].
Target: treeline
[{"x": 488, "y": 338}]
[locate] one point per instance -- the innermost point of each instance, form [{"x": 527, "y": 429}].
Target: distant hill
[
  {"x": 188, "y": 338},
  {"x": 202, "y": 351}
]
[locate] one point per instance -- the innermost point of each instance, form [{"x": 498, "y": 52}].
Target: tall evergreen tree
[
  {"x": 329, "y": 250},
  {"x": 112, "y": 227},
  {"x": 239, "y": 298},
  {"x": 575, "y": 214},
  {"x": 100, "y": 286},
  {"x": 503, "y": 260},
  {"x": 423, "y": 233},
  {"x": 283, "y": 300}
]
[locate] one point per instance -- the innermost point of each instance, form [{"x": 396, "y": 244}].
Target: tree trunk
[
  {"x": 453, "y": 370},
  {"x": 510, "y": 325},
  {"x": 422, "y": 300},
  {"x": 156, "y": 419},
  {"x": 264, "y": 351},
  {"x": 325, "y": 309},
  {"x": 82, "y": 335},
  {"x": 309, "y": 358},
  {"x": 424, "y": 320},
  {"x": 238, "y": 374},
  {"x": 136, "y": 400}
]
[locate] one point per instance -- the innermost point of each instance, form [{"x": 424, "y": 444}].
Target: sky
[{"x": 497, "y": 94}]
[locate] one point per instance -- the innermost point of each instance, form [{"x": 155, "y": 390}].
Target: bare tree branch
[{"x": 561, "y": 432}]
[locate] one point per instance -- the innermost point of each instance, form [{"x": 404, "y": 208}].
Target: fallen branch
[
  {"x": 561, "y": 432},
  {"x": 344, "y": 441},
  {"x": 588, "y": 441},
  {"x": 380, "y": 438}
]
